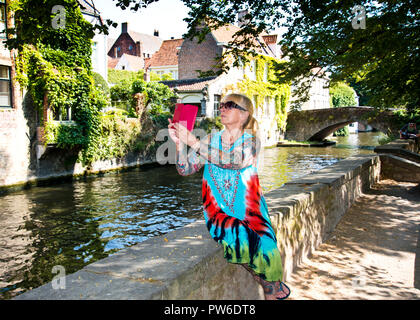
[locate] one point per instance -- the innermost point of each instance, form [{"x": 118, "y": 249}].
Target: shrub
[
  {"x": 100, "y": 83},
  {"x": 116, "y": 76}
]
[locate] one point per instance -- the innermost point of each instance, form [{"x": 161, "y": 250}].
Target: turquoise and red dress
[{"x": 236, "y": 213}]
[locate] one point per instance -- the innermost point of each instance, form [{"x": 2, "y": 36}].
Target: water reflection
[{"x": 74, "y": 224}]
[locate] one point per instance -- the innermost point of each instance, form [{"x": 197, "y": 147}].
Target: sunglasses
[{"x": 231, "y": 105}]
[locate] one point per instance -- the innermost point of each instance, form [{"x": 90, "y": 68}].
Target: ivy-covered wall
[
  {"x": 55, "y": 67},
  {"x": 266, "y": 84}
]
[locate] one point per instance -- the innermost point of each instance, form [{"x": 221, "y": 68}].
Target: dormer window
[{"x": 130, "y": 47}]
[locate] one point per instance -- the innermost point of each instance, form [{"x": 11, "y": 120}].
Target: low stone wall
[
  {"x": 399, "y": 169},
  {"x": 188, "y": 264},
  {"x": 407, "y": 149},
  {"x": 400, "y": 160}
]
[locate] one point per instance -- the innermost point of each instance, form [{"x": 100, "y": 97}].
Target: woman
[{"x": 234, "y": 208}]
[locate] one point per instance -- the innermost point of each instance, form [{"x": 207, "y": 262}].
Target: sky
[{"x": 166, "y": 16}]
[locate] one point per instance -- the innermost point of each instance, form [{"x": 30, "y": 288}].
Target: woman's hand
[
  {"x": 180, "y": 134},
  {"x": 172, "y": 132}
]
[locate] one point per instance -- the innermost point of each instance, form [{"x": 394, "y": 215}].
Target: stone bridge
[{"x": 316, "y": 125}]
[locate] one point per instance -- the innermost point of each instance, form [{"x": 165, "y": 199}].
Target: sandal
[{"x": 271, "y": 288}]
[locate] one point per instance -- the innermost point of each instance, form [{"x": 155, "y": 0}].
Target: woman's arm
[
  {"x": 242, "y": 156},
  {"x": 187, "y": 162},
  {"x": 239, "y": 157}
]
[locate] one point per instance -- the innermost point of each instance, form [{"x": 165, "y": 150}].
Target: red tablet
[{"x": 186, "y": 114}]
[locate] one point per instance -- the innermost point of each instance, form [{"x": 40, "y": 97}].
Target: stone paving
[{"x": 373, "y": 253}]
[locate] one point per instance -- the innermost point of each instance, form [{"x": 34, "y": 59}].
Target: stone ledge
[
  {"x": 399, "y": 169},
  {"x": 407, "y": 149},
  {"x": 171, "y": 266}
]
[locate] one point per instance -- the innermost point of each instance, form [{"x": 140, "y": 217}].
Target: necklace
[{"x": 231, "y": 138}]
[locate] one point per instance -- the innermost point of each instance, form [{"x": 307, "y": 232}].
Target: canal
[{"x": 75, "y": 224}]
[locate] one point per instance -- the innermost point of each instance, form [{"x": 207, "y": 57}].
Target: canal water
[{"x": 75, "y": 224}]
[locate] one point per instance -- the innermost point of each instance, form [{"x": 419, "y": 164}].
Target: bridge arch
[{"x": 317, "y": 124}]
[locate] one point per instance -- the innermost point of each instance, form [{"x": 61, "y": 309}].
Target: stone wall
[
  {"x": 400, "y": 160},
  {"x": 17, "y": 144},
  {"x": 404, "y": 148},
  {"x": 188, "y": 264}
]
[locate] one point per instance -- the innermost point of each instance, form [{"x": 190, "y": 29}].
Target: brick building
[
  {"x": 166, "y": 59},
  {"x": 135, "y": 44},
  {"x": 206, "y": 93},
  {"x": 202, "y": 56}
]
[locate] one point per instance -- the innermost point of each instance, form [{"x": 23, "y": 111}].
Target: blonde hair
[{"x": 246, "y": 103}]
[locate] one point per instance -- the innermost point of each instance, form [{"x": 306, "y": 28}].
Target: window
[
  {"x": 254, "y": 101},
  {"x": 216, "y": 110},
  {"x": 3, "y": 19},
  {"x": 265, "y": 72},
  {"x": 254, "y": 70},
  {"x": 267, "y": 111},
  {"x": 5, "y": 87},
  {"x": 94, "y": 54},
  {"x": 130, "y": 47}
]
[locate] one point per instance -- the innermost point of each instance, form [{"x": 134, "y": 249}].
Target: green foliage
[
  {"x": 64, "y": 46},
  {"x": 208, "y": 124},
  {"x": 342, "y": 132},
  {"x": 382, "y": 59},
  {"x": 115, "y": 76},
  {"x": 402, "y": 117},
  {"x": 121, "y": 91},
  {"x": 161, "y": 120},
  {"x": 342, "y": 95},
  {"x": 164, "y": 77},
  {"x": 157, "y": 96},
  {"x": 273, "y": 88},
  {"x": 55, "y": 64},
  {"x": 100, "y": 83},
  {"x": 66, "y": 136}
]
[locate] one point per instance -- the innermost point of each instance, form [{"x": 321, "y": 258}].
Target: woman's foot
[
  {"x": 272, "y": 290},
  {"x": 275, "y": 290}
]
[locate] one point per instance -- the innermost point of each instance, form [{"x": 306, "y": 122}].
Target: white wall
[{"x": 99, "y": 55}]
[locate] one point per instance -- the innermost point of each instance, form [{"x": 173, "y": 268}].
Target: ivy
[
  {"x": 55, "y": 64},
  {"x": 261, "y": 88}
]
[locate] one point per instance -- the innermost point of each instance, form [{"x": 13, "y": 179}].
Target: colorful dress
[{"x": 235, "y": 210}]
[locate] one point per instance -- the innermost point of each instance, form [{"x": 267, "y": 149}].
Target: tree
[
  {"x": 383, "y": 58},
  {"x": 342, "y": 95}
]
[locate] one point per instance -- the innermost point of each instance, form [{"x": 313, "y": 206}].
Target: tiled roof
[
  {"x": 149, "y": 44},
  {"x": 225, "y": 34},
  {"x": 167, "y": 54},
  {"x": 189, "y": 84},
  {"x": 112, "y": 62},
  {"x": 110, "y": 43},
  {"x": 136, "y": 63}
]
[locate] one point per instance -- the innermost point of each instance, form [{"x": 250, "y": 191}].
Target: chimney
[
  {"x": 124, "y": 27},
  {"x": 156, "y": 33},
  {"x": 138, "y": 49},
  {"x": 241, "y": 18}
]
